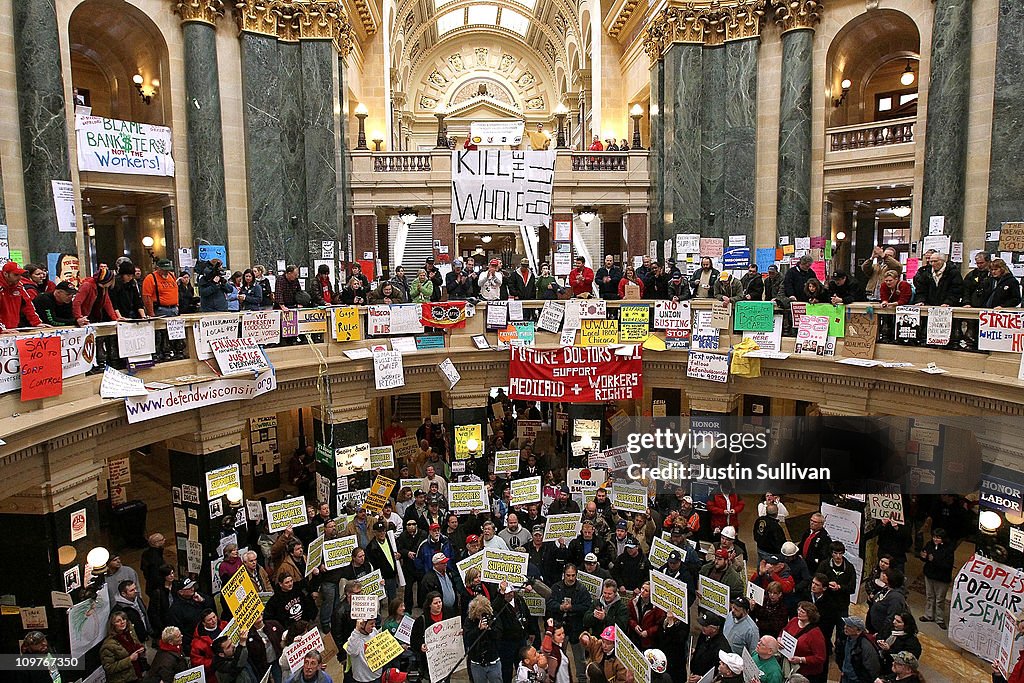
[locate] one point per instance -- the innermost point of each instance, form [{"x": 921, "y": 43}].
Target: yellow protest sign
[
  {"x": 463, "y": 433},
  {"x": 503, "y": 565},
  {"x": 669, "y": 594},
  {"x": 599, "y": 332},
  {"x": 345, "y": 324},
  {"x": 242, "y": 598},
  {"x": 633, "y": 333},
  {"x": 381, "y": 649},
  {"x": 379, "y": 492},
  {"x": 220, "y": 480}
]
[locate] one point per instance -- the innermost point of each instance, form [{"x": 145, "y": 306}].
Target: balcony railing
[
  {"x": 401, "y": 162},
  {"x": 875, "y": 134},
  {"x": 599, "y": 161}
]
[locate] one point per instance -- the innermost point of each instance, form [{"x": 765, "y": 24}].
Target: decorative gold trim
[
  {"x": 744, "y": 21},
  {"x": 206, "y": 11},
  {"x": 707, "y": 23},
  {"x": 791, "y": 15},
  {"x": 365, "y": 16},
  {"x": 293, "y": 20},
  {"x": 622, "y": 18},
  {"x": 256, "y": 17}
]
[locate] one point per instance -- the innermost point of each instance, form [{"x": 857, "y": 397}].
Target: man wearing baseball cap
[
  {"x": 721, "y": 570},
  {"x": 14, "y": 301},
  {"x": 54, "y": 308},
  {"x": 905, "y": 668},
  {"x": 709, "y": 643},
  {"x": 492, "y": 282},
  {"x": 523, "y": 284},
  {"x": 739, "y": 628},
  {"x": 445, "y": 580},
  {"x": 861, "y": 662},
  {"x": 160, "y": 299},
  {"x": 458, "y": 283},
  {"x": 382, "y": 556},
  {"x": 730, "y": 668},
  {"x": 434, "y": 543}
]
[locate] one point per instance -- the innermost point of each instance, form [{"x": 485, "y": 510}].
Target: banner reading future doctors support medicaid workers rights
[
  {"x": 984, "y": 592},
  {"x": 574, "y": 375},
  {"x": 114, "y": 146},
  {"x": 498, "y": 187}
]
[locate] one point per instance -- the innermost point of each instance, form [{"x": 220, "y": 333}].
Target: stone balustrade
[{"x": 874, "y": 134}]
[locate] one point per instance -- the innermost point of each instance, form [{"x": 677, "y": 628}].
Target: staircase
[
  {"x": 412, "y": 246},
  {"x": 407, "y": 409}
]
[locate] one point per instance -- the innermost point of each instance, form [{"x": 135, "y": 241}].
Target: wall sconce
[
  {"x": 97, "y": 559},
  {"x": 361, "y": 114},
  {"x": 147, "y": 94},
  {"x": 587, "y": 445},
  {"x": 989, "y": 521},
  {"x": 840, "y": 236},
  {"x": 846, "y": 84},
  {"x": 472, "y": 445},
  {"x": 635, "y": 113},
  {"x": 148, "y": 243},
  {"x": 908, "y": 77},
  {"x": 234, "y": 496},
  {"x": 901, "y": 211},
  {"x": 486, "y": 239},
  {"x": 378, "y": 140}
]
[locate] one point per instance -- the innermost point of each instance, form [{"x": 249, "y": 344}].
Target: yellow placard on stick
[
  {"x": 241, "y": 596},
  {"x": 379, "y": 492},
  {"x": 381, "y": 649}
]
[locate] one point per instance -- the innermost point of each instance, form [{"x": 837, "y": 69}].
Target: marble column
[
  {"x": 205, "y": 135},
  {"x": 712, "y": 141},
  {"x": 261, "y": 93},
  {"x": 793, "y": 214},
  {"x": 739, "y": 174},
  {"x": 44, "y": 130},
  {"x": 656, "y": 156},
  {"x": 329, "y": 437},
  {"x": 949, "y": 91},
  {"x": 319, "y": 147},
  {"x": 682, "y": 141},
  {"x": 344, "y": 167},
  {"x": 1005, "y": 182},
  {"x": 292, "y": 149}
]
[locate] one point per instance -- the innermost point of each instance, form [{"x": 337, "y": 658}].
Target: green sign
[
  {"x": 836, "y": 317},
  {"x": 755, "y": 316}
]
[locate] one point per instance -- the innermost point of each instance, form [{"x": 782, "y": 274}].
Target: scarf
[
  {"x": 325, "y": 288},
  {"x": 130, "y": 646}
]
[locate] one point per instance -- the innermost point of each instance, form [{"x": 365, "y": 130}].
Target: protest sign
[
  {"x": 592, "y": 583},
  {"x": 463, "y": 435},
  {"x": 338, "y": 551},
  {"x": 1001, "y": 331},
  {"x": 263, "y": 327},
  {"x": 886, "y": 506},
  {"x": 658, "y": 555},
  {"x": 755, "y": 316},
  {"x": 712, "y": 247},
  {"x": 381, "y": 649},
  {"x": 115, "y": 146},
  {"x": 364, "y": 606},
  {"x": 713, "y": 367},
  {"x": 119, "y": 385},
  {"x": 135, "y": 339},
  {"x": 908, "y": 323},
  {"x": 984, "y": 593},
  {"x": 345, "y": 324},
  {"x": 388, "y": 372},
  {"x": 599, "y": 332},
  {"x": 503, "y": 565},
  {"x": 506, "y": 462},
  {"x": 214, "y": 327},
  {"x": 119, "y": 471},
  {"x": 720, "y": 312},
  {"x": 242, "y": 598},
  {"x": 449, "y": 373},
  {"x": 382, "y": 457},
  {"x": 629, "y": 497},
  {"x": 406, "y": 448},
  {"x": 196, "y": 674},
  {"x": 713, "y": 596},
  {"x": 380, "y": 490},
  {"x": 617, "y": 458},
  {"x": 787, "y": 644},
  {"x": 562, "y": 526},
  {"x": 284, "y": 512},
  {"x": 836, "y": 315},
  {"x": 585, "y": 480},
  {"x": 404, "y": 632},
  {"x": 671, "y": 315},
  {"x": 373, "y": 584},
  {"x": 575, "y": 374},
  {"x": 309, "y": 641},
  {"x": 631, "y": 657},
  {"x": 755, "y": 593},
  {"x": 497, "y": 186},
  {"x": 444, "y": 648},
  {"x": 768, "y": 341},
  {"x": 315, "y": 551},
  {"x": 467, "y": 496},
  {"x": 861, "y": 335},
  {"x": 939, "y": 326},
  {"x": 1006, "y": 656},
  {"x": 180, "y": 398},
  {"x": 812, "y": 334},
  {"x": 669, "y": 594},
  {"x": 220, "y": 480},
  {"x": 474, "y": 561},
  {"x": 41, "y": 367},
  {"x": 526, "y": 490},
  {"x": 551, "y": 317},
  {"x": 528, "y": 429},
  {"x": 534, "y": 602}
]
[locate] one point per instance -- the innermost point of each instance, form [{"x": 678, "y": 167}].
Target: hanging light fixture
[
  {"x": 908, "y": 76},
  {"x": 587, "y": 215},
  {"x": 989, "y": 521},
  {"x": 486, "y": 239},
  {"x": 407, "y": 216},
  {"x": 900, "y": 211}
]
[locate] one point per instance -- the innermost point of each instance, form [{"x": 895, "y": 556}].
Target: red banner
[
  {"x": 447, "y": 314},
  {"x": 574, "y": 375}
]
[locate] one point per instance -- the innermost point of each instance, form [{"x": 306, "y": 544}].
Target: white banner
[
  {"x": 984, "y": 593},
  {"x": 500, "y": 187},
  {"x": 77, "y": 348},
  {"x": 188, "y": 396},
  {"x": 114, "y": 146},
  {"x": 496, "y": 133},
  {"x": 388, "y": 371}
]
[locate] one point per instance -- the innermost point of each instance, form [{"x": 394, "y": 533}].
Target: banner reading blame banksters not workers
[
  {"x": 113, "y": 146},
  {"x": 574, "y": 375}
]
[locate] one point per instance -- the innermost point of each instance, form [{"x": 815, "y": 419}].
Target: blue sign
[
  {"x": 1001, "y": 494},
  {"x": 735, "y": 258},
  {"x": 430, "y": 341},
  {"x": 208, "y": 252},
  {"x": 765, "y": 258}
]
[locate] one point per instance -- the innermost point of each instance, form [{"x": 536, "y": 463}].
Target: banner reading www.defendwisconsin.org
[
  {"x": 813, "y": 455},
  {"x": 179, "y": 399}
]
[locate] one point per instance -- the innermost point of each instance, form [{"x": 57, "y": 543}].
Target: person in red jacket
[
  {"x": 770, "y": 569},
  {"x": 725, "y": 509},
  {"x": 597, "y": 145},
  {"x": 894, "y": 292},
  {"x": 644, "y": 619},
  {"x": 581, "y": 279},
  {"x": 92, "y": 303},
  {"x": 35, "y": 281},
  {"x": 14, "y": 301}
]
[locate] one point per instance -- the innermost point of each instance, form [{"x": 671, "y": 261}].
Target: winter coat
[{"x": 116, "y": 660}]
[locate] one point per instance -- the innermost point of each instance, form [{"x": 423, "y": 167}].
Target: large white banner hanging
[
  {"x": 114, "y": 146},
  {"x": 502, "y": 187}
]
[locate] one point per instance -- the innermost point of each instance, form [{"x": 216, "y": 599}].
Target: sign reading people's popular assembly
[{"x": 574, "y": 375}]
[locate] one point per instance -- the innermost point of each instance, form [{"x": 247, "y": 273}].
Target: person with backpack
[{"x": 861, "y": 661}]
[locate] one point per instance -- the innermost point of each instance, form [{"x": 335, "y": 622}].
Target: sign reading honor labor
[
  {"x": 985, "y": 593},
  {"x": 447, "y": 314},
  {"x": 526, "y": 491},
  {"x": 498, "y": 187},
  {"x": 467, "y": 496},
  {"x": 629, "y": 497},
  {"x": 113, "y": 146},
  {"x": 1001, "y": 331},
  {"x": 574, "y": 375},
  {"x": 503, "y": 565},
  {"x": 562, "y": 526}
]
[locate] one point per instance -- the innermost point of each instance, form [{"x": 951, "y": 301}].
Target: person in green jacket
[
  {"x": 609, "y": 610},
  {"x": 122, "y": 655},
  {"x": 547, "y": 286},
  {"x": 422, "y": 289},
  {"x": 767, "y": 661}
]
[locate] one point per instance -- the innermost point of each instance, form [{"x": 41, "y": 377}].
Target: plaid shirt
[{"x": 284, "y": 292}]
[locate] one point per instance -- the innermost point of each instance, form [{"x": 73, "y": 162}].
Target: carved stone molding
[
  {"x": 705, "y": 23},
  {"x": 294, "y": 20},
  {"x": 206, "y": 11},
  {"x": 798, "y": 14}
]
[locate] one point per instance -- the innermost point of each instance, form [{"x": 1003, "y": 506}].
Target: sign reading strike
[
  {"x": 574, "y": 375},
  {"x": 498, "y": 187},
  {"x": 984, "y": 593},
  {"x": 1001, "y": 331},
  {"x": 114, "y": 146}
]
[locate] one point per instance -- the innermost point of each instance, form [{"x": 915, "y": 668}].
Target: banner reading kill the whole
[{"x": 574, "y": 374}]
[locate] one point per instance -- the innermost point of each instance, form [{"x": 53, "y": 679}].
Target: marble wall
[
  {"x": 1006, "y": 183},
  {"x": 740, "y": 134},
  {"x": 949, "y": 92},
  {"x": 292, "y": 149},
  {"x": 682, "y": 138},
  {"x": 656, "y": 155},
  {"x": 205, "y": 135},
  {"x": 794, "y": 169},
  {"x": 712, "y": 141},
  {"x": 319, "y": 148},
  {"x": 44, "y": 129}
]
